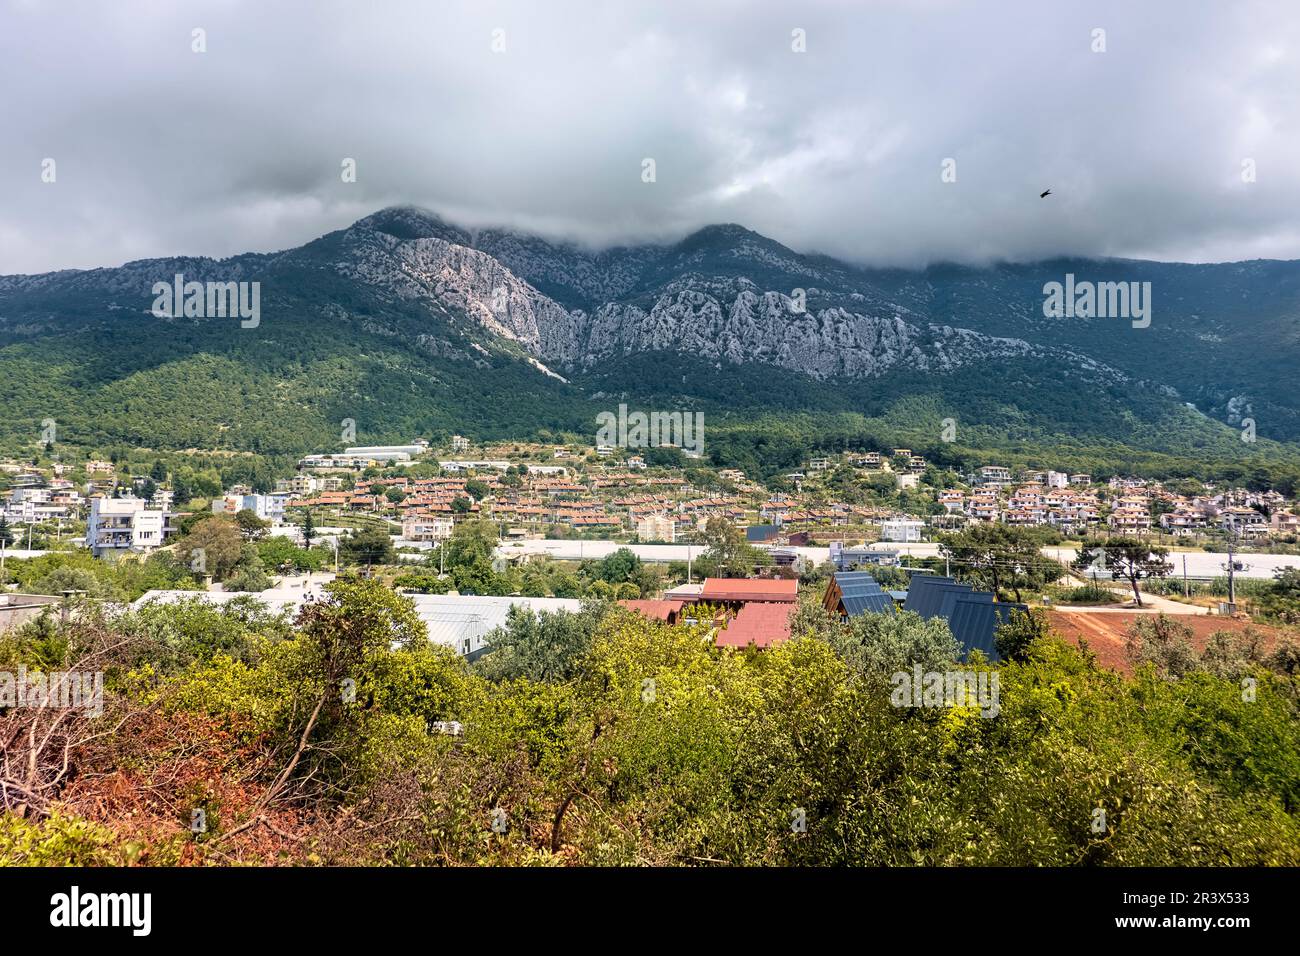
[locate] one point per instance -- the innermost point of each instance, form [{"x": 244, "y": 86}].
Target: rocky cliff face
[{"x": 723, "y": 294}]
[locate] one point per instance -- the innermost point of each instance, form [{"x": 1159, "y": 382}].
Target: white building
[
  {"x": 459, "y": 466},
  {"x": 266, "y": 507},
  {"x": 657, "y": 528},
  {"x": 385, "y": 453},
  {"x": 427, "y": 527},
  {"x": 299, "y": 484},
  {"x": 117, "y": 525},
  {"x": 1243, "y": 521},
  {"x": 906, "y": 530},
  {"x": 995, "y": 475},
  {"x": 461, "y": 622},
  {"x": 333, "y": 462}
]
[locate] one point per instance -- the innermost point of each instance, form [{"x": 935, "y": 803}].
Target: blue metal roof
[
  {"x": 975, "y": 622},
  {"x": 920, "y": 585},
  {"x": 863, "y": 603},
  {"x": 930, "y": 601},
  {"x": 860, "y": 594},
  {"x": 856, "y": 581},
  {"x": 972, "y": 623},
  {"x": 949, "y": 598}
]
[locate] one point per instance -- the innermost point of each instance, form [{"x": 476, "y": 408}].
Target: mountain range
[{"x": 409, "y": 325}]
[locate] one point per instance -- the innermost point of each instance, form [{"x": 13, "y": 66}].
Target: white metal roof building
[
  {"x": 458, "y": 621},
  {"x": 462, "y": 621}
]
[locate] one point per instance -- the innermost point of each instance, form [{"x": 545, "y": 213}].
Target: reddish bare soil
[{"x": 1105, "y": 632}]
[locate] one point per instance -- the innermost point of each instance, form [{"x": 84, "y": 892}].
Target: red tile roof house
[
  {"x": 760, "y": 624},
  {"x": 763, "y": 609},
  {"x": 744, "y": 590},
  {"x": 655, "y": 610}
]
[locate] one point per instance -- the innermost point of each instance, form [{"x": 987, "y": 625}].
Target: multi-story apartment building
[
  {"x": 906, "y": 530},
  {"x": 427, "y": 527},
  {"x": 1284, "y": 522},
  {"x": 301, "y": 484},
  {"x": 953, "y": 501},
  {"x": 1183, "y": 521},
  {"x": 117, "y": 525},
  {"x": 656, "y": 527},
  {"x": 266, "y": 507},
  {"x": 1129, "y": 518},
  {"x": 1246, "y": 522},
  {"x": 995, "y": 475},
  {"x": 983, "y": 507}
]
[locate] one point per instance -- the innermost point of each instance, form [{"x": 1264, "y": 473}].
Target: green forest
[{"x": 236, "y": 736}]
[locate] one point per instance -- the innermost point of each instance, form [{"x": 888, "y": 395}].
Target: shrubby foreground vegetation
[{"x": 602, "y": 738}]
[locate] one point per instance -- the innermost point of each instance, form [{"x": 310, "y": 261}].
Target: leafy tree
[
  {"x": 421, "y": 582},
  {"x": 214, "y": 546},
  {"x": 1164, "y": 642},
  {"x": 1014, "y": 637},
  {"x": 278, "y": 551},
  {"x": 728, "y": 554},
  {"x": 1000, "y": 556},
  {"x": 1129, "y": 558},
  {"x": 619, "y": 567},
  {"x": 368, "y": 546},
  {"x": 1281, "y": 601},
  {"x": 477, "y": 576},
  {"x": 542, "y": 646},
  {"x": 470, "y": 541},
  {"x": 880, "y": 645},
  {"x": 250, "y": 525}
]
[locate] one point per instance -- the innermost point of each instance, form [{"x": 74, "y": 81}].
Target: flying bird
[{"x": 1044, "y": 194}]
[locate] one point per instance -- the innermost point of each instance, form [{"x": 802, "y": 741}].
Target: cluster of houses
[
  {"x": 538, "y": 490},
  {"x": 36, "y": 497},
  {"x": 759, "y": 612},
  {"x": 1072, "y": 504}
]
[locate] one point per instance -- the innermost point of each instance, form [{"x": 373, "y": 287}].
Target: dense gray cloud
[{"x": 162, "y": 151}]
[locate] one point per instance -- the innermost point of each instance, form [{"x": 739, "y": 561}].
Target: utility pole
[
  {"x": 1232, "y": 571},
  {"x": 1186, "y": 592},
  {"x": 1232, "y": 567}
]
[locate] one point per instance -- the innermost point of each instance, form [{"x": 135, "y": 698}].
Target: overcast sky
[{"x": 160, "y": 150}]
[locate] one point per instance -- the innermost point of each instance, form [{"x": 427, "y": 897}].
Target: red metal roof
[
  {"x": 749, "y": 589},
  {"x": 760, "y": 624}
]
